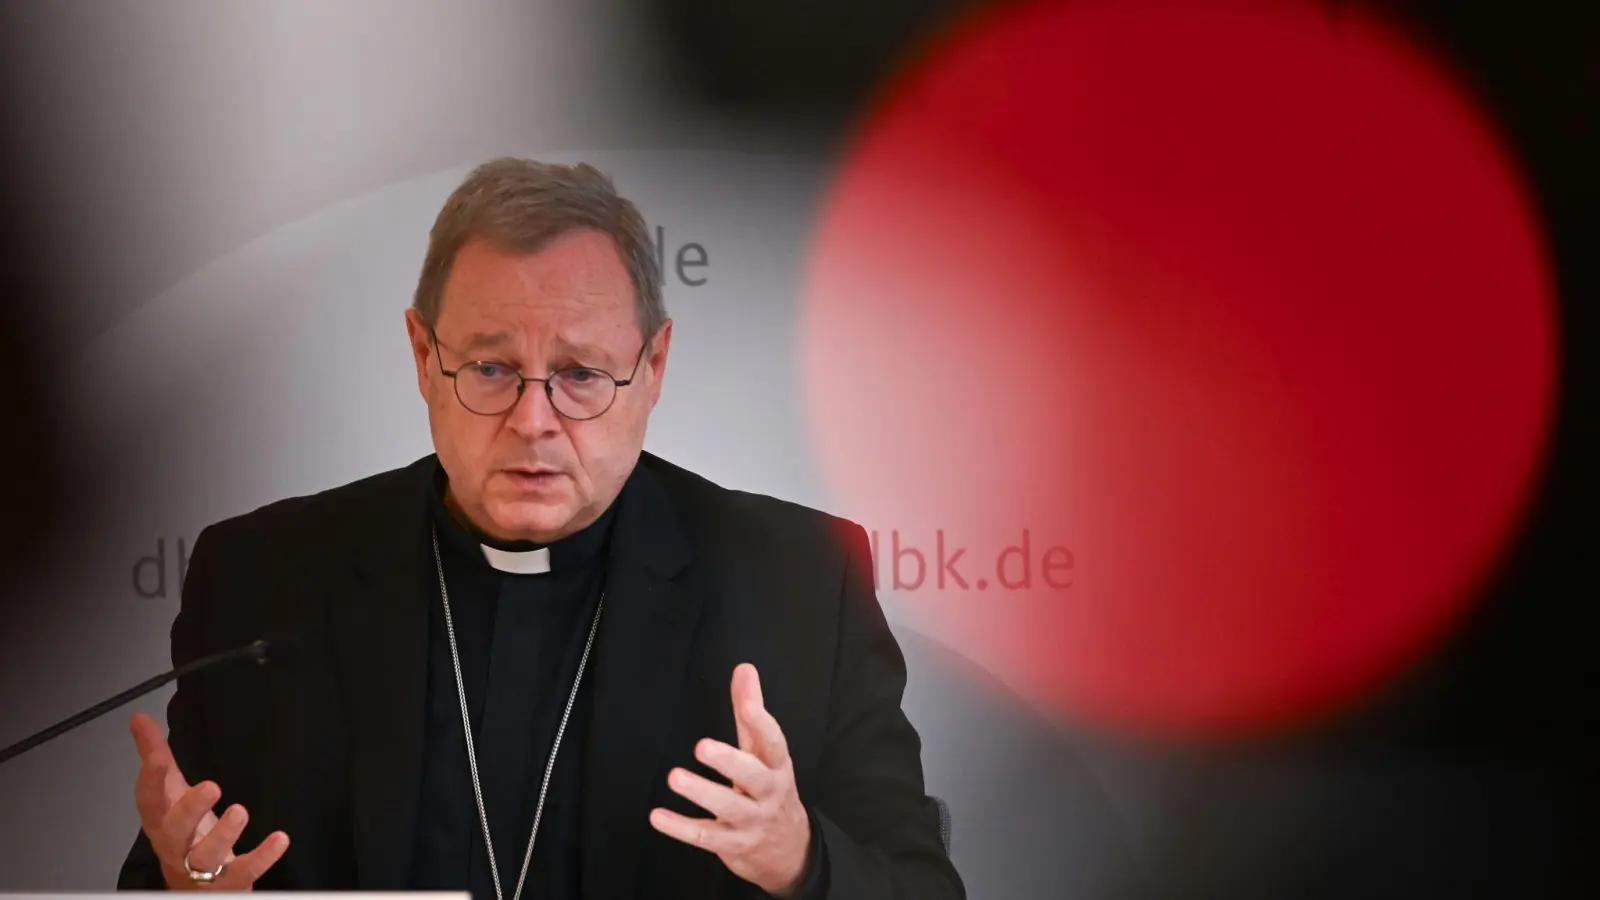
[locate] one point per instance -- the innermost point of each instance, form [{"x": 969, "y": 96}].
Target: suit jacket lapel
[
  {"x": 640, "y": 657},
  {"x": 380, "y": 635}
]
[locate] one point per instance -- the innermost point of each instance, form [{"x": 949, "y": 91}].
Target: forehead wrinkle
[
  {"x": 557, "y": 300},
  {"x": 558, "y": 340}
]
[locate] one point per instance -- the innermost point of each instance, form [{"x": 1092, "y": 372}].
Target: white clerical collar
[{"x": 518, "y": 562}]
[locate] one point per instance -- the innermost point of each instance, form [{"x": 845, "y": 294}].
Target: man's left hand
[{"x": 761, "y": 831}]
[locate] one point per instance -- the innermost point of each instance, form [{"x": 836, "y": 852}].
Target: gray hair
[{"x": 520, "y": 205}]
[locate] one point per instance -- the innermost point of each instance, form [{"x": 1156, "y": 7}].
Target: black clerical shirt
[{"x": 520, "y": 638}]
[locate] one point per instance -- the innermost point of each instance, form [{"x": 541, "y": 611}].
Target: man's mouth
[{"x": 532, "y": 477}]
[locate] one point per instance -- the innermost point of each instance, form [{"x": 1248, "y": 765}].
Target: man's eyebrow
[
  {"x": 593, "y": 353},
  {"x": 487, "y": 340}
]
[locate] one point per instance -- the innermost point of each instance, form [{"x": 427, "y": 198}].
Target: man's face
[{"x": 531, "y": 473}]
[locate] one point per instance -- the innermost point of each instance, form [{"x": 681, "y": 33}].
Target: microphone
[{"x": 258, "y": 651}]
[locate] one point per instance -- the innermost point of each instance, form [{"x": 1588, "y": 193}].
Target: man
[{"x": 540, "y": 662}]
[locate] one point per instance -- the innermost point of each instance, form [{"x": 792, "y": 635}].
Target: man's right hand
[{"x": 178, "y": 821}]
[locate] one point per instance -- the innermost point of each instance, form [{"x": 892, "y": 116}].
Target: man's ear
[
  {"x": 421, "y": 349},
  {"x": 658, "y": 360}
]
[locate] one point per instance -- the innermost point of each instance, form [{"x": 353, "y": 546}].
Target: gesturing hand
[
  {"x": 178, "y": 821},
  {"x": 761, "y": 831}
]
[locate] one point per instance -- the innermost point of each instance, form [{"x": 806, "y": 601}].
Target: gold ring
[{"x": 201, "y": 877}]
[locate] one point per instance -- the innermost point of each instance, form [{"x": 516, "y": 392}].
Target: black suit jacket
[{"x": 328, "y": 746}]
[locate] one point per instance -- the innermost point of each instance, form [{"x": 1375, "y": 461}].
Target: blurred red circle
[{"x": 1240, "y": 306}]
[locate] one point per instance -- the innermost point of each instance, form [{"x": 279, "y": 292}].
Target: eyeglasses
[{"x": 490, "y": 388}]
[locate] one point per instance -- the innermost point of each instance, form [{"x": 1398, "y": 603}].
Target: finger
[
  {"x": 727, "y": 804},
  {"x": 739, "y": 689},
  {"x": 216, "y": 847},
  {"x": 207, "y": 822},
  {"x": 707, "y": 834},
  {"x": 150, "y": 793},
  {"x": 746, "y": 770},
  {"x": 767, "y": 736},
  {"x": 160, "y": 782},
  {"x": 755, "y": 686},
  {"x": 151, "y": 740},
  {"x": 181, "y": 824},
  {"x": 246, "y": 870}
]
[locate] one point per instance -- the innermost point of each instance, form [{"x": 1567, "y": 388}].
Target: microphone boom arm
[{"x": 256, "y": 650}]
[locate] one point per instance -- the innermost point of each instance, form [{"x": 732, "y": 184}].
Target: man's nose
[{"x": 533, "y": 413}]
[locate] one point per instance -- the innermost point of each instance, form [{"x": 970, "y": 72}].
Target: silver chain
[{"x": 466, "y": 726}]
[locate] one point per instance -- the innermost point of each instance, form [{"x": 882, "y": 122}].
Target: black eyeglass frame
[{"x": 522, "y": 380}]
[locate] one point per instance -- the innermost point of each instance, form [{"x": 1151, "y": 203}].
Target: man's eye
[
  {"x": 491, "y": 371},
  {"x": 582, "y": 376}
]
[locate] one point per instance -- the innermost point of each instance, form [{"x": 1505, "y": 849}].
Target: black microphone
[{"x": 259, "y": 651}]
